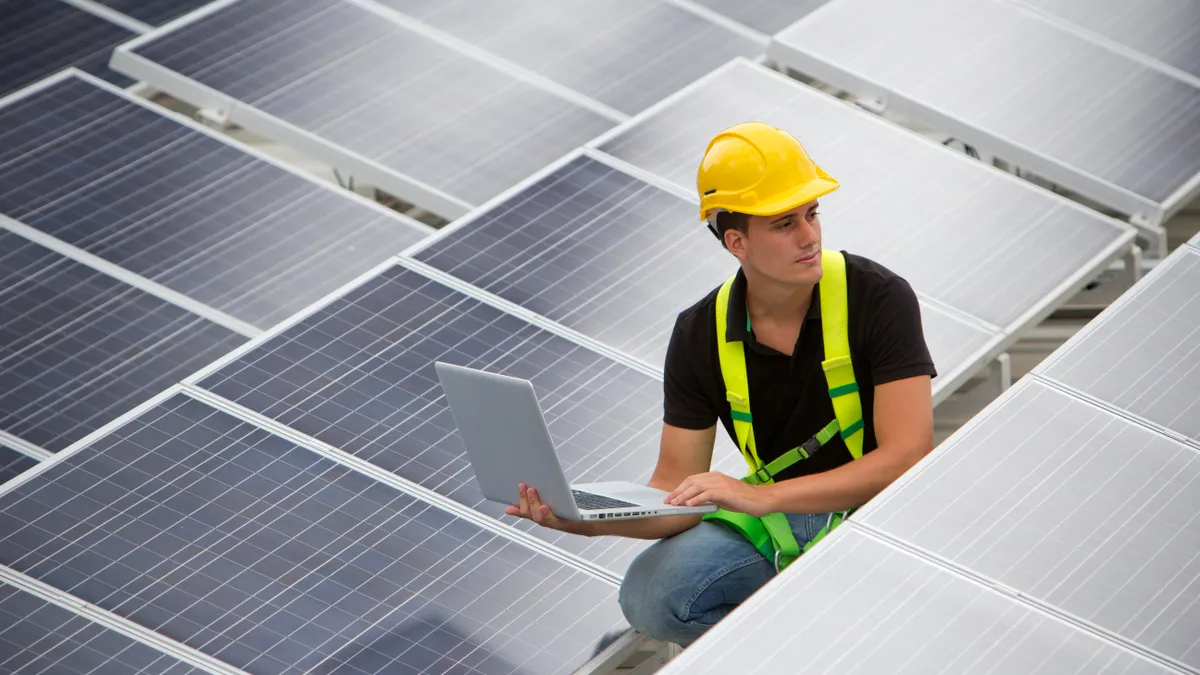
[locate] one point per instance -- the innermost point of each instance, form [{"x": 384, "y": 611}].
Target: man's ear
[{"x": 735, "y": 241}]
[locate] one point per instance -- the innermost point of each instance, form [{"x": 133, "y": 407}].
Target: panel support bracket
[{"x": 1133, "y": 265}]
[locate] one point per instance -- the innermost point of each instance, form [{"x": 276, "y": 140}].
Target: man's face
[{"x": 785, "y": 247}]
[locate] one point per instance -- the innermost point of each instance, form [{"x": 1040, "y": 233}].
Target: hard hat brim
[{"x": 814, "y": 189}]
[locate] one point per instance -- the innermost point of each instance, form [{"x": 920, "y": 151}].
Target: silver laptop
[{"x": 501, "y": 423}]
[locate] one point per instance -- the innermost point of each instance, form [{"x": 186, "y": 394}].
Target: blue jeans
[{"x": 680, "y": 586}]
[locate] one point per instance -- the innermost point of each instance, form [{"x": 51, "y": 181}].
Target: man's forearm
[{"x": 848, "y": 486}]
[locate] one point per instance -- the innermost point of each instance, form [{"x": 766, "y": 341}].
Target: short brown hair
[{"x": 732, "y": 220}]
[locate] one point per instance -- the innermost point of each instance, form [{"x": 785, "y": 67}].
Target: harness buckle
[
  {"x": 777, "y": 552},
  {"x": 763, "y": 476},
  {"x": 811, "y": 446}
]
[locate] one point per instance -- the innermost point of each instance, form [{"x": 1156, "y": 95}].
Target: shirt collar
[{"x": 737, "y": 321}]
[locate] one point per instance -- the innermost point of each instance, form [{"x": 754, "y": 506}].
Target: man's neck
[{"x": 769, "y": 300}]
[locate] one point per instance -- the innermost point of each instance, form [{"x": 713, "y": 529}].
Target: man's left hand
[{"x": 725, "y": 491}]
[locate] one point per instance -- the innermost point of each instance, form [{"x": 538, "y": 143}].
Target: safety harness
[{"x": 771, "y": 534}]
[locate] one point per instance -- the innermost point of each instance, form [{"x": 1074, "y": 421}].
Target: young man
[{"x": 759, "y": 191}]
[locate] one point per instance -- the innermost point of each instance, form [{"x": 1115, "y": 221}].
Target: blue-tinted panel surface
[
  {"x": 40, "y": 37},
  {"x": 13, "y": 464},
  {"x": 277, "y": 560},
  {"x": 1142, "y": 355},
  {"x": 79, "y": 348},
  {"x": 155, "y": 12},
  {"x": 358, "y": 374},
  {"x": 617, "y": 259},
  {"x": 181, "y": 207},
  {"x": 391, "y": 95},
  {"x": 627, "y": 54},
  {"x": 39, "y": 638}
]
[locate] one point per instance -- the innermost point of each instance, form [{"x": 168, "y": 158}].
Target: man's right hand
[{"x": 531, "y": 507}]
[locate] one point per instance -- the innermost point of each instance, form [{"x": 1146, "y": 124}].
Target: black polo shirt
[{"x": 789, "y": 396}]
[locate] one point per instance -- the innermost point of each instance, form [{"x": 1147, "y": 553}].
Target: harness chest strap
[{"x": 772, "y": 534}]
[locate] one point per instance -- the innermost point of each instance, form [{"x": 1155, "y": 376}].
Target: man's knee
[{"x": 661, "y": 587}]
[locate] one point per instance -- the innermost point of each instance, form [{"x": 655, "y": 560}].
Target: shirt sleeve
[
  {"x": 684, "y": 403},
  {"x": 896, "y": 340}
]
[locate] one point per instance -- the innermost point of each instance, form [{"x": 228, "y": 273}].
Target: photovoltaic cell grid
[
  {"x": 627, "y": 54},
  {"x": 862, "y": 606},
  {"x": 34, "y": 42},
  {"x": 930, "y": 54},
  {"x": 13, "y": 464},
  {"x": 277, "y": 560},
  {"x": 952, "y": 227},
  {"x": 79, "y": 348},
  {"x": 767, "y": 16},
  {"x": 37, "y": 637},
  {"x": 180, "y": 207},
  {"x": 364, "y": 83},
  {"x": 1166, "y": 30},
  {"x": 1143, "y": 355},
  {"x": 358, "y": 374},
  {"x": 155, "y": 12},
  {"x": 1072, "y": 505},
  {"x": 617, "y": 259}
]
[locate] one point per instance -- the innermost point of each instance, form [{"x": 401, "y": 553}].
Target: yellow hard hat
[{"x": 759, "y": 170}]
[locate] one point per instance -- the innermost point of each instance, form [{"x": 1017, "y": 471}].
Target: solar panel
[
  {"x": 859, "y": 605},
  {"x": 275, "y": 559},
  {"x": 627, "y": 54},
  {"x": 1141, "y": 355},
  {"x": 928, "y": 62},
  {"x": 78, "y": 348},
  {"x": 1070, "y": 505},
  {"x": 33, "y": 44},
  {"x": 1165, "y": 30},
  {"x": 767, "y": 16},
  {"x": 955, "y": 228},
  {"x": 155, "y": 12},
  {"x": 37, "y": 637},
  {"x": 616, "y": 258},
  {"x": 347, "y": 85},
  {"x": 177, "y": 205},
  {"x": 358, "y": 375},
  {"x": 13, "y": 464}
]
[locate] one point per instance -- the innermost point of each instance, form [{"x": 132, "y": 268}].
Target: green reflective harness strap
[{"x": 771, "y": 534}]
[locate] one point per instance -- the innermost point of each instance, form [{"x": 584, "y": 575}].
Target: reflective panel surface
[
  {"x": 358, "y": 374},
  {"x": 361, "y": 82},
  {"x": 1142, "y": 355},
  {"x": 1030, "y": 83},
  {"x": 1071, "y": 505},
  {"x": 861, "y": 606},
  {"x": 13, "y": 464},
  {"x": 172, "y": 204},
  {"x": 277, "y": 560},
  {"x": 38, "y": 638},
  {"x": 79, "y": 348},
  {"x": 627, "y": 54},
  {"x": 32, "y": 43}
]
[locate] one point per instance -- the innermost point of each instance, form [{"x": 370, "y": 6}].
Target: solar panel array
[
  {"x": 626, "y": 54},
  {"x": 38, "y": 637},
  {"x": 1167, "y": 31},
  {"x": 177, "y": 205},
  {"x": 926, "y": 61},
  {"x": 441, "y": 128},
  {"x": 32, "y": 43},
  {"x": 1069, "y": 503},
  {"x": 302, "y": 501}
]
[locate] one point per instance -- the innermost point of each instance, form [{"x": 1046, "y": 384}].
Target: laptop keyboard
[{"x": 592, "y": 502}]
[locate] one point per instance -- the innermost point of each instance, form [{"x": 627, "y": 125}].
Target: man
[{"x": 759, "y": 192}]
